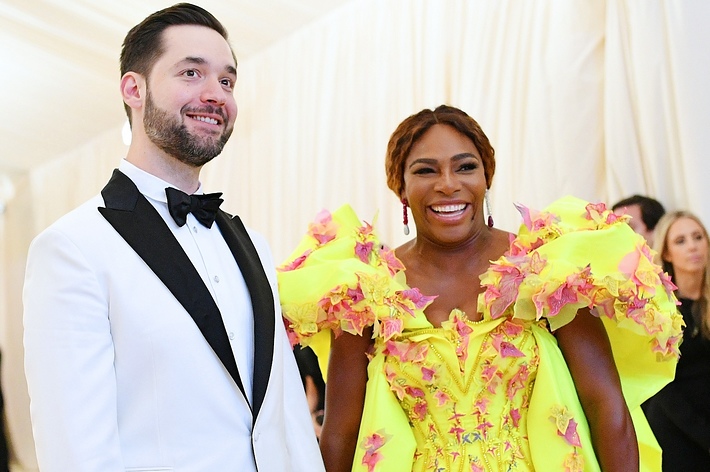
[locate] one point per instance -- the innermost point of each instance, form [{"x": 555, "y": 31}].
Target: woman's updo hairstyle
[{"x": 411, "y": 129}]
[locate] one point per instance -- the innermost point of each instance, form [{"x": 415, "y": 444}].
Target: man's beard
[{"x": 172, "y": 136}]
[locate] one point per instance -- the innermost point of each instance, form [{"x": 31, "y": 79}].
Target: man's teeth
[
  {"x": 448, "y": 208},
  {"x": 211, "y": 121}
]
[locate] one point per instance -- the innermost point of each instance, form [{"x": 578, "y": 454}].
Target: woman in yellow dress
[{"x": 440, "y": 360}]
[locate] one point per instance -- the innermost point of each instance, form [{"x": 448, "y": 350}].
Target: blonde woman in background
[{"x": 680, "y": 413}]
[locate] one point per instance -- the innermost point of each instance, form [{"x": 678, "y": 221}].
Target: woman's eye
[
  {"x": 468, "y": 167},
  {"x": 423, "y": 170}
]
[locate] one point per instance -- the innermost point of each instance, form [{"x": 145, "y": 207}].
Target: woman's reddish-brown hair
[{"x": 411, "y": 129}]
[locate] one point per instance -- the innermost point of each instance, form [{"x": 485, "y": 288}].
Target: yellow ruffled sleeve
[
  {"x": 575, "y": 254},
  {"x": 341, "y": 278}
]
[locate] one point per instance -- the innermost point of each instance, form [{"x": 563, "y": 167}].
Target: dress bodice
[{"x": 465, "y": 388}]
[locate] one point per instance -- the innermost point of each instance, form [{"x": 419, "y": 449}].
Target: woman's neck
[
  {"x": 690, "y": 284},
  {"x": 452, "y": 257}
]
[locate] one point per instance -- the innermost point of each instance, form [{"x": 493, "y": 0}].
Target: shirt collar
[{"x": 149, "y": 185}]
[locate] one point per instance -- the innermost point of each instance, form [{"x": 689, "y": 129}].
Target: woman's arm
[
  {"x": 344, "y": 400},
  {"x": 586, "y": 349}
]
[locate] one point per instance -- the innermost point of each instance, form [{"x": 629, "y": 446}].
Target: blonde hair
[{"x": 700, "y": 311}]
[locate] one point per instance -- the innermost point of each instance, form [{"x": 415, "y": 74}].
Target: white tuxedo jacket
[{"x": 127, "y": 360}]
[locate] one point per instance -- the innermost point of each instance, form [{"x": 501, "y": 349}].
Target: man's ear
[{"x": 133, "y": 90}]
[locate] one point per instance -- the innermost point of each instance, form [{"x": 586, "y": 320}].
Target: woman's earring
[
  {"x": 405, "y": 217},
  {"x": 488, "y": 208}
]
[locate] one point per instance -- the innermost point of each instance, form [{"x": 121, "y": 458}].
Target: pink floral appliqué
[
  {"x": 566, "y": 426},
  {"x": 296, "y": 263},
  {"x": 501, "y": 296},
  {"x": 505, "y": 348},
  {"x": 363, "y": 250},
  {"x": 441, "y": 398},
  {"x": 393, "y": 264},
  {"x": 457, "y": 324},
  {"x": 595, "y": 211},
  {"x": 323, "y": 228},
  {"x": 535, "y": 220},
  {"x": 372, "y": 445}
]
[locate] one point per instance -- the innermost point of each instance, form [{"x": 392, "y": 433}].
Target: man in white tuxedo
[{"x": 153, "y": 333}]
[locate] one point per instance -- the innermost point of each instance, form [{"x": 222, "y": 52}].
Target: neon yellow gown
[{"x": 492, "y": 395}]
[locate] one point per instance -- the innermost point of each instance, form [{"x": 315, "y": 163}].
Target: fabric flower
[
  {"x": 388, "y": 257},
  {"x": 363, "y": 250},
  {"x": 372, "y": 444},
  {"x": 566, "y": 425},
  {"x": 323, "y": 229},
  {"x": 574, "y": 462},
  {"x": 296, "y": 263}
]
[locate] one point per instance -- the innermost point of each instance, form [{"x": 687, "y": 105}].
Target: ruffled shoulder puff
[
  {"x": 577, "y": 254},
  {"x": 341, "y": 278}
]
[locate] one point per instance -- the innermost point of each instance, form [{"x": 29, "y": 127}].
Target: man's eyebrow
[
  {"x": 201, "y": 60},
  {"x": 194, "y": 60}
]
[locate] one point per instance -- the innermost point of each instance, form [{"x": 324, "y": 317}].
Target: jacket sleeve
[
  {"x": 69, "y": 360},
  {"x": 303, "y": 450}
]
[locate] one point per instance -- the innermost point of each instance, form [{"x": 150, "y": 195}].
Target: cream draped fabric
[{"x": 595, "y": 99}]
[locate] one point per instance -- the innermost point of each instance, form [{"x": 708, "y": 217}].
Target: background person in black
[
  {"x": 680, "y": 413},
  {"x": 313, "y": 383}
]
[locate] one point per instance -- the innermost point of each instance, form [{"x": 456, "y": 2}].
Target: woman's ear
[{"x": 665, "y": 257}]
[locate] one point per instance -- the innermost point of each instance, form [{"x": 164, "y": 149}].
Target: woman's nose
[{"x": 447, "y": 182}]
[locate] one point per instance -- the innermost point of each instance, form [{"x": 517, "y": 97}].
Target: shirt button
[
  {"x": 194, "y": 229},
  {"x": 216, "y": 278},
  {"x": 231, "y": 335}
]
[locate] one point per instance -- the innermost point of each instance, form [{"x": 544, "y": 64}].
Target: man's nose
[{"x": 214, "y": 93}]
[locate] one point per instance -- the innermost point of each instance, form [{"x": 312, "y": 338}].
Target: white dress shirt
[{"x": 215, "y": 263}]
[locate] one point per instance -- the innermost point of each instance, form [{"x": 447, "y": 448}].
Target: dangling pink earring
[
  {"x": 488, "y": 208},
  {"x": 405, "y": 217}
]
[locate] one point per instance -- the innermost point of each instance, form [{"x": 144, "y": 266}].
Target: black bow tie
[{"x": 203, "y": 207}]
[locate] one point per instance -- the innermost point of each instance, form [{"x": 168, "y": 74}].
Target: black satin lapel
[
  {"x": 262, "y": 300},
  {"x": 135, "y": 219}
]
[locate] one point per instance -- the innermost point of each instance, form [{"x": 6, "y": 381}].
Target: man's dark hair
[
  {"x": 651, "y": 209},
  {"x": 143, "y": 44}
]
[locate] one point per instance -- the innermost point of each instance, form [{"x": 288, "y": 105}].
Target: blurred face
[
  {"x": 444, "y": 183},
  {"x": 636, "y": 223},
  {"x": 190, "y": 107},
  {"x": 686, "y": 246}
]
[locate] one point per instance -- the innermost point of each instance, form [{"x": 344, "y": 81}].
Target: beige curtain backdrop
[{"x": 584, "y": 97}]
